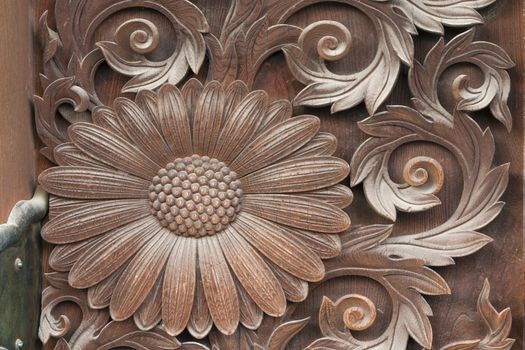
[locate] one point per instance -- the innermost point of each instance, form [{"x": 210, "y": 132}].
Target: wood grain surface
[
  {"x": 17, "y": 158},
  {"x": 455, "y": 316}
]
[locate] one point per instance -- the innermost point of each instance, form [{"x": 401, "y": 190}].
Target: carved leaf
[
  {"x": 246, "y": 40},
  {"x": 405, "y": 280},
  {"x": 284, "y": 333},
  {"x": 329, "y": 41},
  {"x": 62, "y": 345},
  {"x": 125, "y": 334},
  {"x": 498, "y": 327},
  {"x": 369, "y": 164},
  {"x": 330, "y": 343},
  {"x": 482, "y": 186},
  {"x": 498, "y": 323},
  {"x": 489, "y": 58},
  {"x": 50, "y": 130},
  {"x": 432, "y": 15},
  {"x": 463, "y": 345},
  {"x": 137, "y": 37}
]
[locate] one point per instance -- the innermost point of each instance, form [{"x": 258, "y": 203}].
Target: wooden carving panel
[{"x": 295, "y": 174}]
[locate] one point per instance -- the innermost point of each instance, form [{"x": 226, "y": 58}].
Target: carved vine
[
  {"x": 332, "y": 322},
  {"x": 145, "y": 144}
]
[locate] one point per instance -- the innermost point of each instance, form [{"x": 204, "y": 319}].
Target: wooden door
[{"x": 264, "y": 174}]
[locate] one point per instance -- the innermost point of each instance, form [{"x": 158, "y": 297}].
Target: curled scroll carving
[
  {"x": 359, "y": 314},
  {"x": 405, "y": 280},
  {"x": 493, "y": 92},
  {"x": 136, "y": 37},
  {"x": 472, "y": 147},
  {"x": 373, "y": 84},
  {"x": 330, "y": 39},
  {"x": 394, "y": 23},
  {"x": 425, "y": 173},
  {"x": 51, "y": 129},
  {"x": 497, "y": 324}
]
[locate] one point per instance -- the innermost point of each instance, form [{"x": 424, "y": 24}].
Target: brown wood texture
[
  {"x": 455, "y": 316},
  {"x": 17, "y": 159}
]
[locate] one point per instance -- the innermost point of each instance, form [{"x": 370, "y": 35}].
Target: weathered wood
[
  {"x": 20, "y": 259},
  {"x": 17, "y": 158},
  {"x": 455, "y": 152}
]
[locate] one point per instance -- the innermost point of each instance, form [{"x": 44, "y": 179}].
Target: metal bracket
[
  {"x": 20, "y": 273},
  {"x": 22, "y": 216}
]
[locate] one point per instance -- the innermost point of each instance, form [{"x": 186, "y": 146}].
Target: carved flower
[{"x": 204, "y": 206}]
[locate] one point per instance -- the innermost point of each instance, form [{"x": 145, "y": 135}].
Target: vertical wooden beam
[{"x": 17, "y": 151}]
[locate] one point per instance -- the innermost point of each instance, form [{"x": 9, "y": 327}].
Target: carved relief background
[{"x": 279, "y": 174}]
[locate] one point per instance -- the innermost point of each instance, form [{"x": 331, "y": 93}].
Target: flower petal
[
  {"x": 296, "y": 211},
  {"x": 295, "y": 175},
  {"x": 143, "y": 131},
  {"x": 322, "y": 144},
  {"x": 325, "y": 245},
  {"x": 69, "y": 154},
  {"x": 276, "y": 143},
  {"x": 63, "y": 257},
  {"x": 112, "y": 150},
  {"x": 87, "y": 183},
  {"x": 284, "y": 250},
  {"x": 93, "y": 219},
  {"x": 200, "y": 320},
  {"x": 99, "y": 295},
  {"x": 105, "y": 256},
  {"x": 191, "y": 92},
  {"x": 207, "y": 119},
  {"x": 278, "y": 112},
  {"x": 250, "y": 315},
  {"x": 148, "y": 102},
  {"x": 149, "y": 313},
  {"x": 179, "y": 285},
  {"x": 106, "y": 118},
  {"x": 140, "y": 275},
  {"x": 174, "y": 121},
  {"x": 241, "y": 125},
  {"x": 235, "y": 93},
  {"x": 295, "y": 289},
  {"x": 253, "y": 273},
  {"x": 59, "y": 205},
  {"x": 338, "y": 195},
  {"x": 219, "y": 288}
]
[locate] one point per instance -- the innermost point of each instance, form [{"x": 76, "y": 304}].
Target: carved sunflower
[{"x": 204, "y": 206}]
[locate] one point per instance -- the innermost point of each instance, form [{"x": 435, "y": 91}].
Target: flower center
[{"x": 195, "y": 196}]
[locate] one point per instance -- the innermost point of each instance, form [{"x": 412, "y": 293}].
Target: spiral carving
[
  {"x": 425, "y": 173},
  {"x": 331, "y": 40},
  {"x": 143, "y": 35},
  {"x": 359, "y": 311}
]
